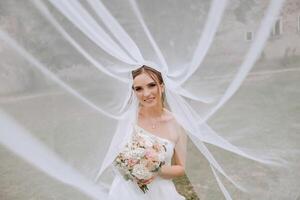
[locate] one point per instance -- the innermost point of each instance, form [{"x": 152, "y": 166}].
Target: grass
[{"x": 185, "y": 188}]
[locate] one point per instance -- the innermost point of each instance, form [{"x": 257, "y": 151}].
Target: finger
[
  {"x": 146, "y": 181},
  {"x": 149, "y": 181}
]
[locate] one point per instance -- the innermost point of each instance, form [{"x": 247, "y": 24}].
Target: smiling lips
[{"x": 149, "y": 99}]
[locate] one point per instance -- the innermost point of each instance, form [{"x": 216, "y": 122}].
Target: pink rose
[
  {"x": 150, "y": 154},
  {"x": 132, "y": 162}
]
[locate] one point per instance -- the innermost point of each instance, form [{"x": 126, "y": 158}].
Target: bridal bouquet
[{"x": 141, "y": 158}]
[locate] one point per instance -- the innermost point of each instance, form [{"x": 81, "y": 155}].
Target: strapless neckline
[{"x": 144, "y": 131}]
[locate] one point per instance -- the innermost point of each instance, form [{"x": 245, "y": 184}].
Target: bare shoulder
[{"x": 168, "y": 115}]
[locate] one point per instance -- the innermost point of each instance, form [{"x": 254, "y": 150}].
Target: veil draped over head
[{"x": 230, "y": 70}]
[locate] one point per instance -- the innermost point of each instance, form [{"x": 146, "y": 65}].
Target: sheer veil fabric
[{"x": 67, "y": 105}]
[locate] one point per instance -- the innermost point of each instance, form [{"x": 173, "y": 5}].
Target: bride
[{"x": 155, "y": 121}]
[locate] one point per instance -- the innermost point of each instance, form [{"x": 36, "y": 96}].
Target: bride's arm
[
  {"x": 172, "y": 171},
  {"x": 178, "y": 161}
]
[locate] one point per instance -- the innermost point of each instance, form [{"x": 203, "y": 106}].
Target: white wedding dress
[{"x": 158, "y": 189}]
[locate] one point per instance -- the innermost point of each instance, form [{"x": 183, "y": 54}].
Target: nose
[{"x": 146, "y": 92}]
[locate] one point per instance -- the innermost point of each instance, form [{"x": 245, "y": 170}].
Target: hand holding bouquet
[{"x": 141, "y": 159}]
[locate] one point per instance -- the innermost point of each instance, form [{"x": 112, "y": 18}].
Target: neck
[{"x": 151, "y": 112}]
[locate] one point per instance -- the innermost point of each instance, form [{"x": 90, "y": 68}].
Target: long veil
[{"x": 231, "y": 72}]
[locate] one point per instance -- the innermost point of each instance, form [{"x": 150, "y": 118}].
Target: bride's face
[{"x": 147, "y": 90}]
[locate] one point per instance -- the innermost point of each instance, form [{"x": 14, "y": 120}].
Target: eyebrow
[{"x": 151, "y": 83}]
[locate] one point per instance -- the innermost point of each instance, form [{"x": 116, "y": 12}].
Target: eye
[
  {"x": 152, "y": 84},
  {"x": 138, "y": 89}
]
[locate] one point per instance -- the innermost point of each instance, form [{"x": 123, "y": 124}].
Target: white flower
[
  {"x": 148, "y": 143},
  {"x": 141, "y": 172},
  {"x": 136, "y": 153}
]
